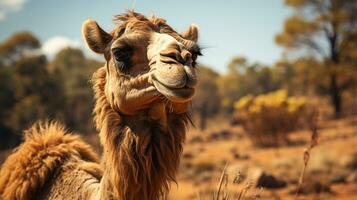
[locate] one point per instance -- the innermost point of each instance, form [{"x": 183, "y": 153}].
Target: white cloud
[
  {"x": 55, "y": 44},
  {"x": 8, "y": 6},
  {"x": 12, "y": 4}
]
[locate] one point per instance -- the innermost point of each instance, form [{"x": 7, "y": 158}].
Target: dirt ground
[{"x": 331, "y": 172}]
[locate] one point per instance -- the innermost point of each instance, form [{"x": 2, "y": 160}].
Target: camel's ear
[
  {"x": 191, "y": 33},
  {"x": 96, "y": 38}
]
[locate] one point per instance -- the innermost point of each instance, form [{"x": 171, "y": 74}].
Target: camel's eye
[
  {"x": 122, "y": 54},
  {"x": 122, "y": 57}
]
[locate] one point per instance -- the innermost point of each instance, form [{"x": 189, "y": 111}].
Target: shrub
[{"x": 268, "y": 118}]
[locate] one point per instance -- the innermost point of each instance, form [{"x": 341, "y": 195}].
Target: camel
[{"x": 142, "y": 99}]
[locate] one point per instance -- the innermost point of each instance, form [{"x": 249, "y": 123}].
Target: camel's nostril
[
  {"x": 170, "y": 56},
  {"x": 176, "y": 56},
  {"x": 186, "y": 56},
  {"x": 191, "y": 78}
]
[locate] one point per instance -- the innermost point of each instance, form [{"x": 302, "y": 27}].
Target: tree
[
  {"x": 73, "y": 71},
  {"x": 32, "y": 88},
  {"x": 229, "y": 84},
  {"x": 28, "y": 92},
  {"x": 244, "y": 78},
  {"x": 327, "y": 29},
  {"x": 7, "y": 101},
  {"x": 37, "y": 94},
  {"x": 207, "y": 100},
  {"x": 298, "y": 77},
  {"x": 17, "y": 46}
]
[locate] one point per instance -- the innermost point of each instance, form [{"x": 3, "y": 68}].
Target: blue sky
[{"x": 227, "y": 28}]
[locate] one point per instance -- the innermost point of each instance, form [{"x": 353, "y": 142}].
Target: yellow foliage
[
  {"x": 243, "y": 102},
  {"x": 268, "y": 118},
  {"x": 295, "y": 103},
  {"x": 277, "y": 99}
]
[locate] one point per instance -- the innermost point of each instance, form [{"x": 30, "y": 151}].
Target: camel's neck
[
  {"x": 140, "y": 157},
  {"x": 140, "y": 160}
]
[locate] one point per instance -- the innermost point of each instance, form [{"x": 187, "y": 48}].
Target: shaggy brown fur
[
  {"x": 140, "y": 158},
  {"x": 47, "y": 146}
]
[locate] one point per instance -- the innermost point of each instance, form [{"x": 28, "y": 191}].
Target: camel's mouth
[{"x": 179, "y": 95}]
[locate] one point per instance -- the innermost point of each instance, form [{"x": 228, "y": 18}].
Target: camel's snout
[
  {"x": 171, "y": 62},
  {"x": 174, "y": 69}
]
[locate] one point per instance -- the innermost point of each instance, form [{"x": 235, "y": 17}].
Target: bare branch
[{"x": 313, "y": 45}]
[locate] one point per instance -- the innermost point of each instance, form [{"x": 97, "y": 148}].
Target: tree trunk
[
  {"x": 335, "y": 95},
  {"x": 203, "y": 116},
  {"x": 335, "y": 90}
]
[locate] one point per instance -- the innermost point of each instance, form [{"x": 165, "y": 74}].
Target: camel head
[{"x": 146, "y": 62}]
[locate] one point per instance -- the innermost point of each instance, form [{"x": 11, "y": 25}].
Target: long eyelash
[
  {"x": 200, "y": 48},
  {"x": 197, "y": 50}
]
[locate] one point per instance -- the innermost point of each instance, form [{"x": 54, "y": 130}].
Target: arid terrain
[{"x": 331, "y": 172}]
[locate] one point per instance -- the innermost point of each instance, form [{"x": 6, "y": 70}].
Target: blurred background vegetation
[{"x": 33, "y": 88}]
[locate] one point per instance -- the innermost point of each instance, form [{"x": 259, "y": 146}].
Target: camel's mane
[{"x": 142, "y": 159}]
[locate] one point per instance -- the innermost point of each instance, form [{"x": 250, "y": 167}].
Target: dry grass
[
  {"x": 285, "y": 164},
  {"x": 307, "y": 152},
  {"x": 231, "y": 189},
  {"x": 224, "y": 192}
]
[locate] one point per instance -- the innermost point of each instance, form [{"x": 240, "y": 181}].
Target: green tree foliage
[
  {"x": 38, "y": 96},
  {"x": 27, "y": 90},
  {"x": 299, "y": 77},
  {"x": 32, "y": 88},
  {"x": 7, "y": 101},
  {"x": 328, "y": 30},
  {"x": 74, "y": 71},
  {"x": 244, "y": 78}
]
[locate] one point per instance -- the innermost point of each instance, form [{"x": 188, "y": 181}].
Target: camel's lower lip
[{"x": 181, "y": 95}]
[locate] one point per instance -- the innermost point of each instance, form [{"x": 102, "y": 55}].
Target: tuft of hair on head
[{"x": 129, "y": 15}]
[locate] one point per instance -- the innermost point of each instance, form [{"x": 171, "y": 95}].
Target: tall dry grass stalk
[
  {"x": 224, "y": 178},
  {"x": 314, "y": 141},
  {"x": 224, "y": 189}
]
